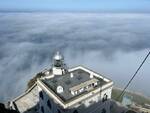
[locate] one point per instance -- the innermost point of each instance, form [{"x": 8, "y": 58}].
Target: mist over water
[{"x": 111, "y": 44}]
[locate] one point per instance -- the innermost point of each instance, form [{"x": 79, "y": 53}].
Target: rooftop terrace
[{"x": 77, "y": 80}]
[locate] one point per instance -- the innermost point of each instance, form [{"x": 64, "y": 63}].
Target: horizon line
[{"x": 70, "y": 11}]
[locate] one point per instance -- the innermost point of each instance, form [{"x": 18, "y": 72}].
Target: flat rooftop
[{"x": 80, "y": 77}]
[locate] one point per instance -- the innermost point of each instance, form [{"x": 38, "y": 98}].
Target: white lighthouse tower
[{"x": 58, "y": 66}]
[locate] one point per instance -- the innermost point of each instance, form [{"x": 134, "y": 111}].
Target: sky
[
  {"x": 76, "y": 5},
  {"x": 112, "y": 44}
]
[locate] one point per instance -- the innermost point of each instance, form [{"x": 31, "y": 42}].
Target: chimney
[{"x": 71, "y": 75}]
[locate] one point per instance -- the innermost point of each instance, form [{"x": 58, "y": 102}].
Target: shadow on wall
[
  {"x": 33, "y": 109},
  {"x": 113, "y": 107},
  {"x": 4, "y": 110}
]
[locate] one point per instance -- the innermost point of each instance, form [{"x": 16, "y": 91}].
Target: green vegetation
[
  {"x": 115, "y": 94},
  {"x": 137, "y": 98},
  {"x": 33, "y": 80}
]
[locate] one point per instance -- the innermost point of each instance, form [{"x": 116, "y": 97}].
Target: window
[
  {"x": 42, "y": 109},
  {"x": 90, "y": 85},
  {"x": 103, "y": 110},
  {"x": 57, "y": 63},
  {"x": 75, "y": 111},
  {"x": 58, "y": 111},
  {"x": 105, "y": 97},
  {"x": 41, "y": 95},
  {"x": 49, "y": 104},
  {"x": 111, "y": 106},
  {"x": 93, "y": 84}
]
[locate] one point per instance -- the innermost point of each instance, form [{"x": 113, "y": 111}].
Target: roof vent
[
  {"x": 60, "y": 89},
  {"x": 71, "y": 75}
]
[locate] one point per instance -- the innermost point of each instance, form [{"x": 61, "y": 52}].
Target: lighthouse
[
  {"x": 69, "y": 90},
  {"x": 58, "y": 66}
]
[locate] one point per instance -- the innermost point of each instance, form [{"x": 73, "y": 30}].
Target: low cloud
[{"x": 28, "y": 41}]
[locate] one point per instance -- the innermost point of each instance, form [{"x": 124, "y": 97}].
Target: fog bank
[{"x": 111, "y": 44}]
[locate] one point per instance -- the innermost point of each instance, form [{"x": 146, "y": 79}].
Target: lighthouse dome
[{"x": 58, "y": 56}]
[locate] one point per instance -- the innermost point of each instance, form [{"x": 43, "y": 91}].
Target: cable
[
  {"x": 122, "y": 93},
  {"x": 129, "y": 80}
]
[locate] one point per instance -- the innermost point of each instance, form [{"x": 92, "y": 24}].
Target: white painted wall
[
  {"x": 107, "y": 92},
  {"x": 86, "y": 101},
  {"x": 57, "y": 71},
  {"x": 54, "y": 105},
  {"x": 95, "y": 99}
]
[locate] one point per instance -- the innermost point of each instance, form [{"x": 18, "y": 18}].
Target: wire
[
  {"x": 129, "y": 80},
  {"x": 122, "y": 93}
]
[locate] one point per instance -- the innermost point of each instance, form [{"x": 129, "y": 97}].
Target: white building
[{"x": 75, "y": 90}]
